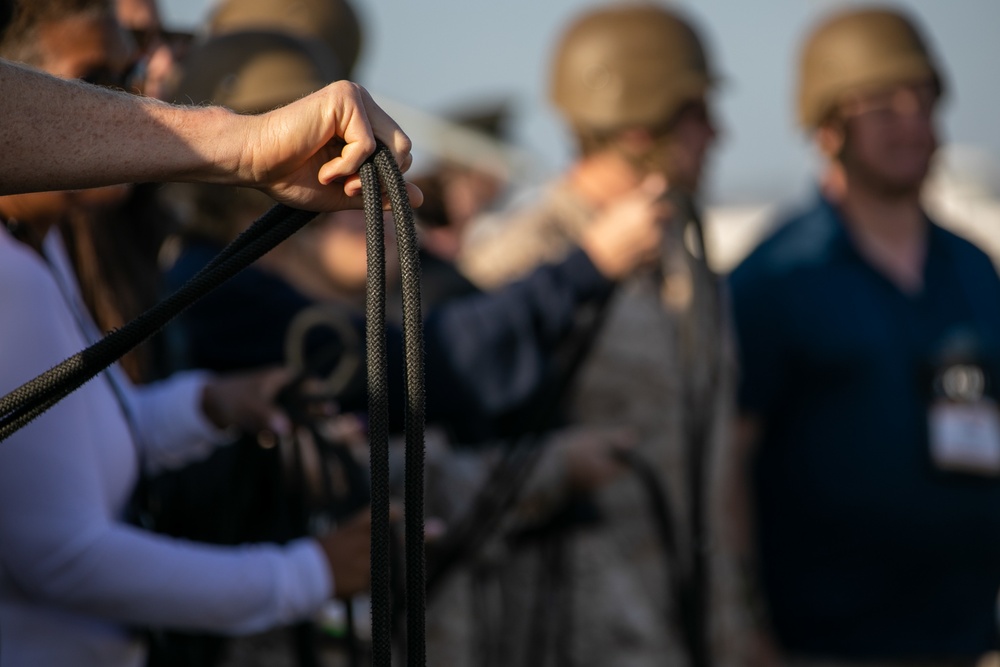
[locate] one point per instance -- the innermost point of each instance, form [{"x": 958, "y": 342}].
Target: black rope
[
  {"x": 378, "y": 413},
  {"x": 378, "y": 422},
  {"x": 24, "y": 404},
  {"x": 695, "y": 592}
]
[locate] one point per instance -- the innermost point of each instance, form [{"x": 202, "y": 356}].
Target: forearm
[
  {"x": 133, "y": 576},
  {"x": 492, "y": 350},
  {"x": 69, "y": 135}
]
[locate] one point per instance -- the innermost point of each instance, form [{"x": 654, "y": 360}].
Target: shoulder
[
  {"x": 974, "y": 268},
  {"x": 28, "y": 294},
  {"x": 36, "y": 327},
  {"x": 963, "y": 250},
  {"x": 507, "y": 246},
  {"x": 801, "y": 241}
]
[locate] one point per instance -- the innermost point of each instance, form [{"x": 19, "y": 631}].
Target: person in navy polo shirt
[{"x": 868, "y": 340}]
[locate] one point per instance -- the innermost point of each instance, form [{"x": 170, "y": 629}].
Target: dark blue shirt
[{"x": 866, "y": 550}]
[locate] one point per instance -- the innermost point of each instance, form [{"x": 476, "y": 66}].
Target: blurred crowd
[{"x": 631, "y": 459}]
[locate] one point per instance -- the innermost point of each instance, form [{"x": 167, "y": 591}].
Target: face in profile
[
  {"x": 692, "y": 136},
  {"x": 92, "y": 48},
  {"x": 156, "y": 49}
]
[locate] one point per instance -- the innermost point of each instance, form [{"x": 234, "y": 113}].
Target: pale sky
[{"x": 438, "y": 55}]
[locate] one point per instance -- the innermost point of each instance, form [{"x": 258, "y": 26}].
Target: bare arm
[{"x": 63, "y": 134}]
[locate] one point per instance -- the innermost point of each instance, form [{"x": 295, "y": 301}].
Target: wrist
[
  {"x": 212, "y": 407},
  {"x": 224, "y": 160}
]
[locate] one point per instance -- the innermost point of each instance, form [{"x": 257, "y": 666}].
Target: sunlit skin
[{"x": 72, "y": 48}]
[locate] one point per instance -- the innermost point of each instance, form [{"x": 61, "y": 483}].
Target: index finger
[{"x": 361, "y": 121}]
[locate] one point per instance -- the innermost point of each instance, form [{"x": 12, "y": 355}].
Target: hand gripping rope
[{"x": 24, "y": 404}]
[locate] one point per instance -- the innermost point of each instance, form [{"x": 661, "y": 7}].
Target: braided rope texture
[
  {"x": 409, "y": 259},
  {"x": 382, "y": 166},
  {"x": 378, "y": 420}
]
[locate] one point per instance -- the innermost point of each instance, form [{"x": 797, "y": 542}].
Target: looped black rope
[{"x": 382, "y": 166}]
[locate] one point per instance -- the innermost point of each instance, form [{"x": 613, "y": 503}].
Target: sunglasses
[
  {"x": 148, "y": 39},
  {"x": 129, "y": 80}
]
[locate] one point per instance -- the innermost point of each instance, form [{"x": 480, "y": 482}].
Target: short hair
[{"x": 20, "y": 42}]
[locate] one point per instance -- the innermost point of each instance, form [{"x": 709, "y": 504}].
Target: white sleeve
[
  {"x": 172, "y": 427},
  {"x": 64, "y": 482}
]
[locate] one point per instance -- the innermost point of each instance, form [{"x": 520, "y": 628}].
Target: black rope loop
[{"x": 382, "y": 166}]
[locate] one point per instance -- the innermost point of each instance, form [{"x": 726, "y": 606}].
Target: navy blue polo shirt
[{"x": 866, "y": 549}]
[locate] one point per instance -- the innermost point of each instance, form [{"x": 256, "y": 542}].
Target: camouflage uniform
[{"x": 659, "y": 353}]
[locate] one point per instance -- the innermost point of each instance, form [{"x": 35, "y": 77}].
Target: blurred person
[
  {"x": 486, "y": 355},
  {"x": 461, "y": 186},
  {"x": 114, "y": 257},
  {"x": 869, "y": 339},
  {"x": 632, "y": 82},
  {"x": 157, "y": 59},
  {"x": 330, "y": 25},
  {"x": 455, "y": 341},
  {"x": 75, "y": 577}
]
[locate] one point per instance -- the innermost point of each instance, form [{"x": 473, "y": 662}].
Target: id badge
[{"x": 965, "y": 436}]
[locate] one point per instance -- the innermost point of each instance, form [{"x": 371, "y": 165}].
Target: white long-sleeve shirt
[{"x": 73, "y": 575}]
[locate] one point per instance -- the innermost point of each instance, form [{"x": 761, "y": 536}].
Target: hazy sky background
[{"x": 439, "y": 55}]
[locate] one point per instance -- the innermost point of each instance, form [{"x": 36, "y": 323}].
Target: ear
[
  {"x": 830, "y": 138},
  {"x": 635, "y": 140}
]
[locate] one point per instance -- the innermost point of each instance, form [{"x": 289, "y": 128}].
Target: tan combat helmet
[
  {"x": 333, "y": 22},
  {"x": 859, "y": 50},
  {"x": 628, "y": 65}
]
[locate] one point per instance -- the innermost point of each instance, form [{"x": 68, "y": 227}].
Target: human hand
[
  {"x": 629, "y": 232},
  {"x": 246, "y": 401},
  {"x": 348, "y": 553},
  {"x": 299, "y": 154}
]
